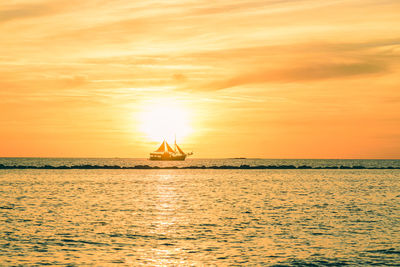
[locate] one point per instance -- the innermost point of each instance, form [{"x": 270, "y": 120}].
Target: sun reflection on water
[{"x": 165, "y": 253}]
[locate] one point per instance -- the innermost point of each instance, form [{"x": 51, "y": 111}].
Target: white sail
[
  {"x": 161, "y": 148},
  {"x": 169, "y": 148},
  {"x": 179, "y": 149}
]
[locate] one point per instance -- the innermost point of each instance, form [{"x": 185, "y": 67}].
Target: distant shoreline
[
  {"x": 223, "y": 167},
  {"x": 196, "y": 158}
]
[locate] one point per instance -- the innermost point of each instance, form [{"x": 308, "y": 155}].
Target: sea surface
[
  {"x": 199, "y": 217},
  {"x": 190, "y": 162}
]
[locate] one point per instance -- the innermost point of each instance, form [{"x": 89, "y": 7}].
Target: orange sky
[{"x": 271, "y": 78}]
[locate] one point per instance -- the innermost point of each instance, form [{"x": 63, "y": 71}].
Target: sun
[{"x": 165, "y": 119}]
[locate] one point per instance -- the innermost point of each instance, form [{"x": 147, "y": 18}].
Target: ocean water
[
  {"x": 199, "y": 217},
  {"x": 128, "y": 162}
]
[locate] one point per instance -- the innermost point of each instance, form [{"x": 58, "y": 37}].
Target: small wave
[
  {"x": 222, "y": 167},
  {"x": 312, "y": 262},
  {"x": 168, "y": 244},
  {"x": 385, "y": 251},
  {"x": 68, "y": 240},
  {"x": 8, "y": 207}
]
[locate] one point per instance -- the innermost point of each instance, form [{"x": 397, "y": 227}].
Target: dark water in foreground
[{"x": 200, "y": 217}]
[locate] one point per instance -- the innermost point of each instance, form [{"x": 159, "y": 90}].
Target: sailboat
[{"x": 166, "y": 152}]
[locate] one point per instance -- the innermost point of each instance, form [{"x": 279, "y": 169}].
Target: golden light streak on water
[{"x": 199, "y": 217}]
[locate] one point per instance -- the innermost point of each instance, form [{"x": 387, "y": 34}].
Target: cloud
[
  {"x": 230, "y": 7},
  {"x": 74, "y": 81},
  {"x": 13, "y": 84},
  {"x": 302, "y": 74},
  {"x": 300, "y": 63},
  {"x": 23, "y": 11},
  {"x": 179, "y": 77},
  {"x": 327, "y": 71}
]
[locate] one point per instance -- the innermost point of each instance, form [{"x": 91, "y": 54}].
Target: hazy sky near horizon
[{"x": 272, "y": 78}]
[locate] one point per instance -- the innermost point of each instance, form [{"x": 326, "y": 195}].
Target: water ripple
[{"x": 199, "y": 217}]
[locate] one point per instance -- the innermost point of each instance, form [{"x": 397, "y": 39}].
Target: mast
[{"x": 175, "y": 144}]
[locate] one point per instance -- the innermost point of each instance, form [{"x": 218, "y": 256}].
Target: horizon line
[{"x": 52, "y": 157}]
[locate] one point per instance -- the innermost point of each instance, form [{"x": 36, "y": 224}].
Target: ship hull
[{"x": 167, "y": 157}]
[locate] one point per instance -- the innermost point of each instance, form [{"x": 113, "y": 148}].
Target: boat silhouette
[{"x": 166, "y": 152}]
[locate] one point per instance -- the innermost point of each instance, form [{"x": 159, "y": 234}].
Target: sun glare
[{"x": 165, "y": 119}]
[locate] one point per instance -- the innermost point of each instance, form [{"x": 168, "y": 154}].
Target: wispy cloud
[
  {"x": 9, "y": 12},
  {"x": 25, "y": 11},
  {"x": 300, "y": 74}
]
